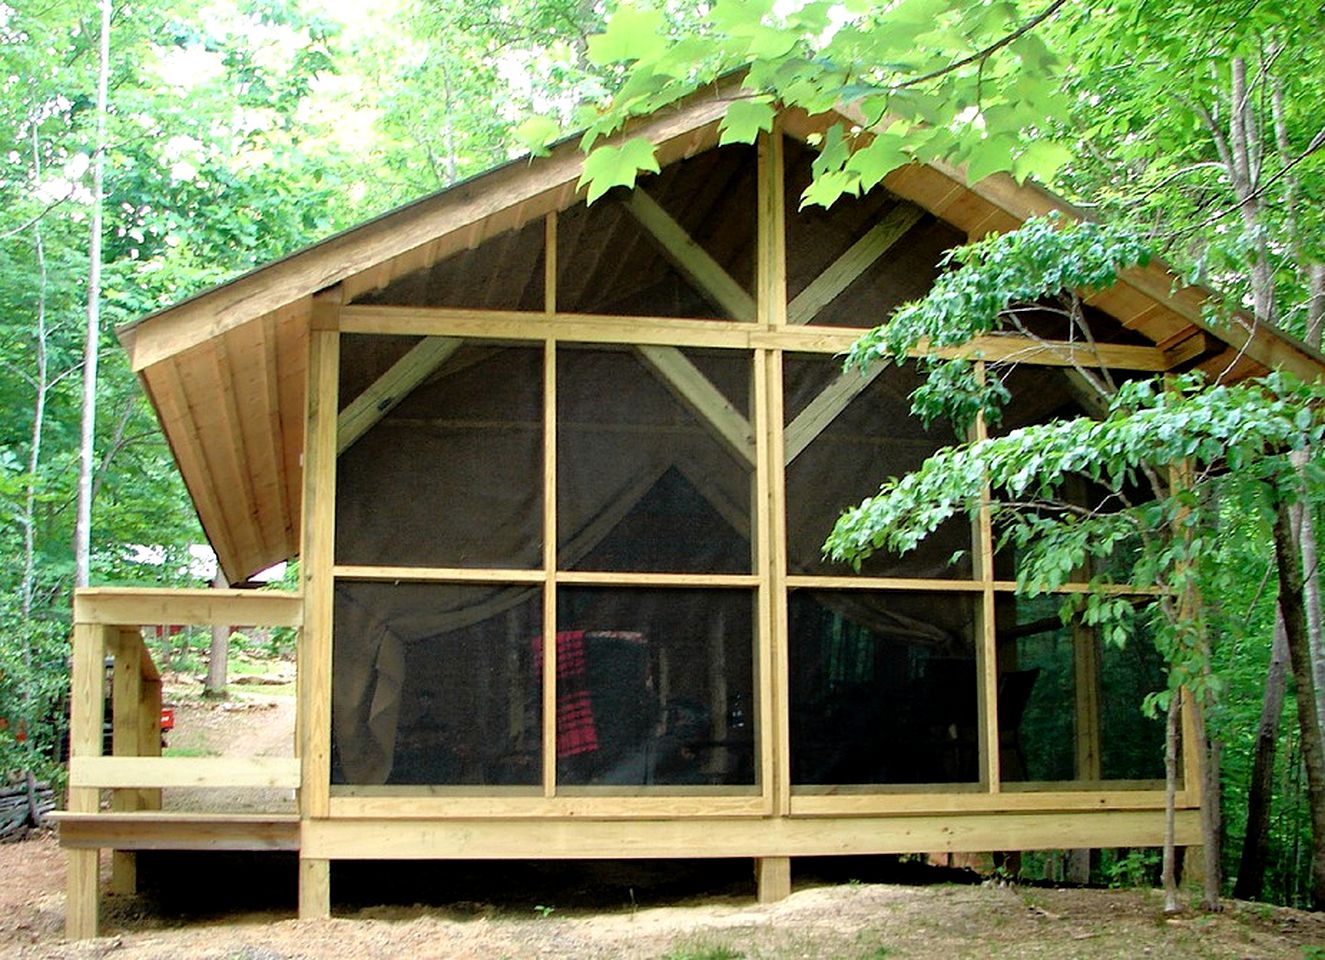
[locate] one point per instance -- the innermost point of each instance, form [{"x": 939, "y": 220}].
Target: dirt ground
[
  {"x": 205, "y": 907},
  {"x": 853, "y": 921}
]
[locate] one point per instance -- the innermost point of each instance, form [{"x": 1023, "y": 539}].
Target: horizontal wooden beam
[
  {"x": 731, "y": 334},
  {"x": 365, "y": 410},
  {"x": 858, "y": 258},
  {"x": 483, "y": 839},
  {"x": 137, "y": 606},
  {"x": 121, "y": 772},
  {"x": 545, "y": 808},
  {"x": 178, "y": 831},
  {"x": 705, "y": 273}
]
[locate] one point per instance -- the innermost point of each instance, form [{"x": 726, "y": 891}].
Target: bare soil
[{"x": 201, "y": 907}]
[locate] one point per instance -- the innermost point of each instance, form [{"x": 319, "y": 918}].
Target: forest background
[{"x": 241, "y": 130}]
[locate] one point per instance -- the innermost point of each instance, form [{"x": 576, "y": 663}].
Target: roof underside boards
[{"x": 226, "y": 370}]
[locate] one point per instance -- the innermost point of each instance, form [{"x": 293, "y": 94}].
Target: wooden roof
[{"x": 225, "y": 369}]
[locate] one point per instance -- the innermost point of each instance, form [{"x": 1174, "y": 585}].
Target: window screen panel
[
  {"x": 453, "y": 475},
  {"x": 645, "y": 483},
  {"x": 437, "y": 684},
  {"x": 883, "y": 688},
  {"x": 838, "y": 463},
  {"x": 655, "y": 687},
  {"x": 1037, "y": 708}
]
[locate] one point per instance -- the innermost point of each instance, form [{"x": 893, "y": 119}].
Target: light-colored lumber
[
  {"x": 550, "y": 262},
  {"x": 178, "y": 831},
  {"x": 121, "y": 772},
  {"x": 127, "y": 705},
  {"x": 772, "y": 879},
  {"x": 941, "y": 799},
  {"x": 113, "y": 606},
  {"x": 666, "y": 803},
  {"x": 550, "y": 545},
  {"x": 809, "y": 582},
  {"x": 824, "y": 409},
  {"x": 762, "y": 558},
  {"x": 314, "y": 889},
  {"x": 378, "y": 399},
  {"x": 1086, "y": 696},
  {"x": 747, "y": 837},
  {"x": 80, "y": 904},
  {"x": 344, "y": 571},
  {"x": 730, "y": 334},
  {"x": 149, "y": 733},
  {"x": 859, "y": 257},
  {"x": 317, "y": 557},
  {"x": 626, "y": 579},
  {"x": 986, "y": 627},
  {"x": 697, "y": 393},
  {"x": 705, "y": 273},
  {"x": 86, "y": 704}
]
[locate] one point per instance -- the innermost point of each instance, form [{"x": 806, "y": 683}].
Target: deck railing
[{"x": 108, "y": 622}]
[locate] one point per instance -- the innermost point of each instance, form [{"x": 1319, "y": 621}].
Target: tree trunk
[
  {"x": 219, "y": 654},
  {"x": 40, "y": 385},
  {"x": 1170, "y": 870},
  {"x": 1260, "y": 789},
  {"x": 1288, "y": 559},
  {"x": 83, "y": 523}
]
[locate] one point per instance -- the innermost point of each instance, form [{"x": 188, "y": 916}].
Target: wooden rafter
[
  {"x": 823, "y": 409},
  {"x": 688, "y": 383},
  {"x": 690, "y": 258},
  {"x": 392, "y": 387},
  {"x": 858, "y": 258}
]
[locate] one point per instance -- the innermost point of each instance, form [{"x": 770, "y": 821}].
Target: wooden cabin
[{"x": 559, "y": 475}]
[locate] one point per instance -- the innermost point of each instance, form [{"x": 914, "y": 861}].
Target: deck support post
[
  {"x": 314, "y": 889},
  {"x": 80, "y": 905},
  {"x": 773, "y": 878}
]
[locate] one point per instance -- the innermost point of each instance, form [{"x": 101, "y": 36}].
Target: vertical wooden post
[
  {"x": 773, "y": 878},
  {"x": 550, "y": 554},
  {"x": 762, "y": 564},
  {"x": 550, "y": 263},
  {"x": 771, "y": 312},
  {"x": 986, "y": 638},
  {"x": 126, "y": 706},
  {"x": 317, "y": 557},
  {"x": 86, "y": 709},
  {"x": 149, "y": 727}
]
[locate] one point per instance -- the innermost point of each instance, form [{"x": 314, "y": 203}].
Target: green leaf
[
  {"x": 607, "y": 167},
  {"x": 631, "y": 34},
  {"x": 990, "y": 155},
  {"x": 1041, "y": 160},
  {"x": 536, "y": 133},
  {"x": 884, "y": 154},
  {"x": 744, "y": 120}
]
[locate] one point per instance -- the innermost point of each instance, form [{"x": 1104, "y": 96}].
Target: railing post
[
  {"x": 126, "y": 703},
  {"x": 86, "y": 711}
]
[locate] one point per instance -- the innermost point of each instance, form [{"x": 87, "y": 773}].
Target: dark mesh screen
[
  {"x": 1038, "y": 713},
  {"x": 453, "y": 475},
  {"x": 436, "y": 684},
  {"x": 644, "y": 483},
  {"x": 1036, "y": 691},
  {"x": 883, "y": 688},
  {"x": 655, "y": 686},
  {"x": 1132, "y": 746},
  {"x": 873, "y": 438}
]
